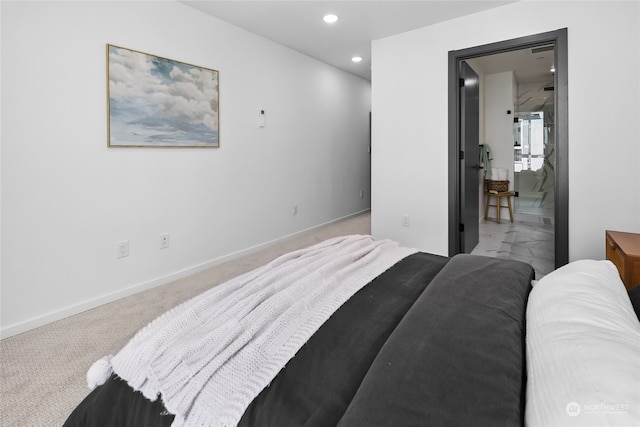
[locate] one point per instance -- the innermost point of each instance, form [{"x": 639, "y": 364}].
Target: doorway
[
  {"x": 517, "y": 140},
  {"x": 461, "y": 214}
]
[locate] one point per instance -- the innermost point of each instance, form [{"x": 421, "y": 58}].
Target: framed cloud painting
[{"x": 158, "y": 102}]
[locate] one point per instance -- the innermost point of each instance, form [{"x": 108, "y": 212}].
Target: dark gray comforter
[
  {"x": 432, "y": 341},
  {"x": 457, "y": 358}
]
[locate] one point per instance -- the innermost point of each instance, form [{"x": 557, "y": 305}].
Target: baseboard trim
[{"x": 54, "y": 316}]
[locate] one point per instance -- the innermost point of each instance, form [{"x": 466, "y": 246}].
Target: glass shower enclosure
[{"x": 533, "y": 161}]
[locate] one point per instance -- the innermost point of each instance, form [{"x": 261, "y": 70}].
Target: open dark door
[
  {"x": 460, "y": 171},
  {"x": 469, "y": 157}
]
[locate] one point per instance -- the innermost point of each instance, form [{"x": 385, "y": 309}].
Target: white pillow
[{"x": 583, "y": 349}]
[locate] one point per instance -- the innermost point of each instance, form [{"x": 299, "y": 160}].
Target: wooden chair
[
  {"x": 499, "y": 195},
  {"x": 498, "y": 189}
]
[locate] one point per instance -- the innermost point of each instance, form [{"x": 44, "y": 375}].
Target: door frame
[{"x": 561, "y": 199}]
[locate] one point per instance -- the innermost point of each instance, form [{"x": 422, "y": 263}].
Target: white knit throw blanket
[{"x": 211, "y": 356}]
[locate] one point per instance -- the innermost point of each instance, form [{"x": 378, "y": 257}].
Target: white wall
[
  {"x": 498, "y": 99},
  {"x": 67, "y": 199},
  {"x": 409, "y": 97}
]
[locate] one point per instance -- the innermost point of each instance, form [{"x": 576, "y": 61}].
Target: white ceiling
[
  {"x": 528, "y": 65},
  {"x": 532, "y": 70},
  {"x": 299, "y": 25}
]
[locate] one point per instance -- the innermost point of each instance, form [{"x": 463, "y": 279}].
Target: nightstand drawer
[
  {"x": 623, "y": 249},
  {"x": 614, "y": 255}
]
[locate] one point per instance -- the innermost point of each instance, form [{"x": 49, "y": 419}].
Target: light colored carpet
[{"x": 43, "y": 371}]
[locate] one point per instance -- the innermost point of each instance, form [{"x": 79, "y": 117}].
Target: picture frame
[{"x": 154, "y": 101}]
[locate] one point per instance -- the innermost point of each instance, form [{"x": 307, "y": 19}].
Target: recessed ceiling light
[
  {"x": 330, "y": 19},
  {"x": 356, "y": 59}
]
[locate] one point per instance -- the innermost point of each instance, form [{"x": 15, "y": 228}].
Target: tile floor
[{"x": 530, "y": 238}]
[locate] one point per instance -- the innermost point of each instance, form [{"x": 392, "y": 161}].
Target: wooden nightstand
[{"x": 623, "y": 249}]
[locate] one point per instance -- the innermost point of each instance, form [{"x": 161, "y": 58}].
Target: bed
[{"x": 416, "y": 339}]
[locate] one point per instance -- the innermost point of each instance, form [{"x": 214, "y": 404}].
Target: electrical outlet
[
  {"x": 123, "y": 249},
  {"x": 362, "y": 194},
  {"x": 295, "y": 209},
  {"x": 164, "y": 241},
  {"x": 406, "y": 221}
]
